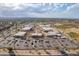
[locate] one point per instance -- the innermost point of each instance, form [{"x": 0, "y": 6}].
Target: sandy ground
[
  {"x": 76, "y": 30},
  {"x": 4, "y": 52},
  {"x": 37, "y": 52},
  {"x": 68, "y": 30},
  {"x": 73, "y": 51}
]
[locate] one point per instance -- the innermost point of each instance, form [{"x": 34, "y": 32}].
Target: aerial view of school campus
[{"x": 39, "y": 29}]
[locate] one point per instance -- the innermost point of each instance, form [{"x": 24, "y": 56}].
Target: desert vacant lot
[{"x": 71, "y": 29}]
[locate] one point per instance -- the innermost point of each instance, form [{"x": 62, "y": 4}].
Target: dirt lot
[
  {"x": 70, "y": 30},
  {"x": 37, "y": 52}
]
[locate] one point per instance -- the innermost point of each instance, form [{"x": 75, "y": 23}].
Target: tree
[{"x": 10, "y": 51}]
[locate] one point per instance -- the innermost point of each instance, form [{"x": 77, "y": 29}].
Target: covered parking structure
[
  {"x": 36, "y": 34},
  {"x": 20, "y": 35},
  {"x": 27, "y": 28}
]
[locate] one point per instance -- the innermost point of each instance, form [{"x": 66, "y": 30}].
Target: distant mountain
[{"x": 29, "y": 18}]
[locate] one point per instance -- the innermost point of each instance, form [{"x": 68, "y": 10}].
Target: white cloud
[
  {"x": 72, "y": 10},
  {"x": 72, "y": 7},
  {"x": 39, "y": 10}
]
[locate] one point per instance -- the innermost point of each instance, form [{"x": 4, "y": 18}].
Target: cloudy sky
[{"x": 46, "y": 10}]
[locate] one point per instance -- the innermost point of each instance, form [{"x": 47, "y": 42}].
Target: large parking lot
[
  {"x": 37, "y": 43},
  {"x": 36, "y": 38}
]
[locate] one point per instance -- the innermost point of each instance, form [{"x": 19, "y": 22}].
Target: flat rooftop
[
  {"x": 37, "y": 34},
  {"x": 20, "y": 34}
]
